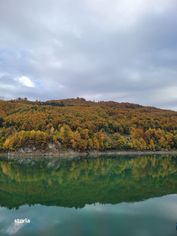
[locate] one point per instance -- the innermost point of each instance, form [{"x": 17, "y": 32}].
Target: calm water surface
[{"x": 110, "y": 196}]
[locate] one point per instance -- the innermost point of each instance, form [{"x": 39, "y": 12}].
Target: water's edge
[{"x": 72, "y": 154}]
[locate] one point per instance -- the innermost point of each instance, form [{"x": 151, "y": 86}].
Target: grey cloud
[{"x": 70, "y": 48}]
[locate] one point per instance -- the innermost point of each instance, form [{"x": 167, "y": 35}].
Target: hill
[{"x": 85, "y": 125}]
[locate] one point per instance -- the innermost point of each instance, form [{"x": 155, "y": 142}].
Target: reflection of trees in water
[{"x": 81, "y": 181}]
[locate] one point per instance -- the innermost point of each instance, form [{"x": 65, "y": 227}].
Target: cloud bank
[{"x": 98, "y": 49}]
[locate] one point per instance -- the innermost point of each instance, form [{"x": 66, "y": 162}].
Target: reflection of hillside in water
[{"x": 75, "y": 183}]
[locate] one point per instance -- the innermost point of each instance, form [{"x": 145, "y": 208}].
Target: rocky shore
[{"x": 72, "y": 154}]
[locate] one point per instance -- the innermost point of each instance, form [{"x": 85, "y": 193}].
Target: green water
[{"x": 109, "y": 196}]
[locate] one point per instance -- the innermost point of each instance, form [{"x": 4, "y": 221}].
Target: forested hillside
[{"x": 83, "y": 125}]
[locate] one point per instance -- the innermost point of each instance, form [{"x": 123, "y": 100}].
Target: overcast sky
[{"x": 121, "y": 50}]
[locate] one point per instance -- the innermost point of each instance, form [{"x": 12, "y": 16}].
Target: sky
[{"x": 121, "y": 50}]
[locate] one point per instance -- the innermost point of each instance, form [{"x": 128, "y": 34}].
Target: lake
[{"x": 105, "y": 196}]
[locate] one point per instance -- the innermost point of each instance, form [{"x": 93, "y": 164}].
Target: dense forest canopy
[{"x": 83, "y": 125}]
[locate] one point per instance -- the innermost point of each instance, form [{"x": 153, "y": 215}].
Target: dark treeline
[{"x": 83, "y": 125}]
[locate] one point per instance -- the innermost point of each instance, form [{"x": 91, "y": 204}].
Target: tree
[
  {"x": 1, "y": 122},
  {"x": 30, "y": 139}
]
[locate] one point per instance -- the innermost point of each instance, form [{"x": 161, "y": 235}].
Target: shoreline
[{"x": 72, "y": 154}]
